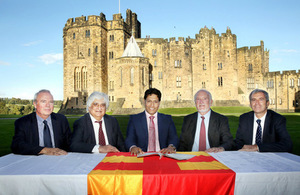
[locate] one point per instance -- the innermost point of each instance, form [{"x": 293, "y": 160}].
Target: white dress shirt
[
  {"x": 96, "y": 131},
  {"x": 197, "y": 133}
]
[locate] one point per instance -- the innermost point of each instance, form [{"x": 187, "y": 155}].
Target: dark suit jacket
[
  {"x": 83, "y": 136},
  {"x": 137, "y": 131},
  {"x": 275, "y": 135},
  {"x": 218, "y": 132},
  {"x": 26, "y": 138}
]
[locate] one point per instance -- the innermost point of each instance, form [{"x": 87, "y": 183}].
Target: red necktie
[
  {"x": 151, "y": 133},
  {"x": 101, "y": 134},
  {"x": 202, "y": 140}
]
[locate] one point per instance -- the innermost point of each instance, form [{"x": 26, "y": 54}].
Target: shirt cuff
[{"x": 96, "y": 149}]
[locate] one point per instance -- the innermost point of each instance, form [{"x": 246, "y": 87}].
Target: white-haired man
[
  {"x": 205, "y": 130},
  {"x": 96, "y": 131}
]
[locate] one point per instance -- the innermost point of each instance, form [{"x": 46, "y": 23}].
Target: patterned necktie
[
  {"x": 47, "y": 136},
  {"x": 151, "y": 138},
  {"x": 202, "y": 140},
  {"x": 258, "y": 132},
  {"x": 101, "y": 134}
]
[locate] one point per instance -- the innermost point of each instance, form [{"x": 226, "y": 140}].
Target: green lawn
[{"x": 293, "y": 124}]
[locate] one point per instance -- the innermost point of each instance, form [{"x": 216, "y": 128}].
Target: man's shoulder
[
  {"x": 58, "y": 116},
  {"x": 26, "y": 118},
  {"x": 247, "y": 114},
  {"x": 274, "y": 114},
  {"x": 191, "y": 115},
  {"x": 138, "y": 115},
  {"x": 216, "y": 114}
]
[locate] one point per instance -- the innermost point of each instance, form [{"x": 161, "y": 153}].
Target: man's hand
[
  {"x": 107, "y": 148},
  {"x": 215, "y": 150},
  {"x": 249, "y": 148},
  {"x": 136, "y": 150},
  {"x": 53, "y": 151},
  {"x": 168, "y": 150}
]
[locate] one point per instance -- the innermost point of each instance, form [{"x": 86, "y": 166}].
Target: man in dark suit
[
  {"x": 262, "y": 130},
  {"x": 205, "y": 130},
  {"x": 42, "y": 132},
  {"x": 150, "y": 130},
  {"x": 96, "y": 131}
]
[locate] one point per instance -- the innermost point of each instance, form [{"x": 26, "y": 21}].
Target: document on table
[{"x": 176, "y": 156}]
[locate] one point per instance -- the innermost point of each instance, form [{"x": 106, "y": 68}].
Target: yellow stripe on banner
[
  {"x": 115, "y": 182},
  {"x": 195, "y": 153},
  {"x": 125, "y": 159},
  {"x": 213, "y": 165}
]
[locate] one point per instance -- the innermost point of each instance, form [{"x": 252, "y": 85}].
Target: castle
[{"x": 110, "y": 56}]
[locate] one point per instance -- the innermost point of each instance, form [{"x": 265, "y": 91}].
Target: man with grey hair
[
  {"x": 205, "y": 130},
  {"x": 262, "y": 130},
  {"x": 97, "y": 132},
  {"x": 42, "y": 132}
]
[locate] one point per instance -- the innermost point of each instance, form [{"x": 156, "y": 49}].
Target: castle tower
[{"x": 131, "y": 76}]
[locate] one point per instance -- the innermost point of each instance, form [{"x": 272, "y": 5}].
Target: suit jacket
[
  {"x": 218, "y": 132},
  {"x": 83, "y": 136},
  {"x": 26, "y": 138},
  {"x": 275, "y": 136},
  {"x": 137, "y": 131}
]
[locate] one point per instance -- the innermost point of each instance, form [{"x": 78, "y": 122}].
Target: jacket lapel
[{"x": 90, "y": 127}]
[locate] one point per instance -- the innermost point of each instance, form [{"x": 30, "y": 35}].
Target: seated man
[
  {"x": 205, "y": 130},
  {"x": 262, "y": 129},
  {"x": 96, "y": 131},
  {"x": 42, "y": 132},
  {"x": 150, "y": 130}
]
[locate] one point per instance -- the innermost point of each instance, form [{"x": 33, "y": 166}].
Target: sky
[{"x": 31, "y": 43}]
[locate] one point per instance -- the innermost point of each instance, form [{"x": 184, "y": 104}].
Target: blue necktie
[
  {"x": 258, "y": 132},
  {"x": 47, "y": 136}
]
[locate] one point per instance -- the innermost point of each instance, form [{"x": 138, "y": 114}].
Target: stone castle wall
[{"x": 93, "y": 47}]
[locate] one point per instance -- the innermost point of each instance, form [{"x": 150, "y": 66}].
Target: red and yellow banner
[{"x": 122, "y": 173}]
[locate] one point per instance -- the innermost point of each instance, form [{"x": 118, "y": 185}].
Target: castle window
[
  {"x": 280, "y": 101},
  {"x": 220, "y": 66},
  {"x": 250, "y": 83},
  {"x": 270, "y": 84},
  {"x": 291, "y": 83},
  {"x": 155, "y": 65},
  {"x": 178, "y": 81},
  {"x": 121, "y": 77},
  {"x": 77, "y": 79},
  {"x": 228, "y": 55},
  {"x": 111, "y": 38},
  {"x": 178, "y": 97},
  {"x": 160, "y": 75},
  {"x": 89, "y": 52},
  {"x": 111, "y": 85},
  {"x": 76, "y": 101},
  {"x": 220, "y": 81},
  {"x": 203, "y": 84},
  {"x": 74, "y": 36},
  {"x": 96, "y": 49},
  {"x": 112, "y": 98},
  {"x": 153, "y": 52},
  {"x": 132, "y": 76},
  {"x": 204, "y": 66},
  {"x": 178, "y": 64},
  {"x": 250, "y": 68},
  {"x": 87, "y": 33},
  {"x": 111, "y": 55},
  {"x": 84, "y": 78}
]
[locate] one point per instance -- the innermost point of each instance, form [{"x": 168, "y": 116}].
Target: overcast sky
[{"x": 31, "y": 44}]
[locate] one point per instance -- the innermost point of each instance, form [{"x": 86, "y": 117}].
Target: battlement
[{"x": 85, "y": 21}]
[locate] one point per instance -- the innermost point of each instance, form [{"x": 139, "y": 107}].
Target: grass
[{"x": 293, "y": 124}]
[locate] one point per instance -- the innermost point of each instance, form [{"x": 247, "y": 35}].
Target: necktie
[
  {"x": 47, "y": 136},
  {"x": 101, "y": 134},
  {"x": 258, "y": 132},
  {"x": 202, "y": 140},
  {"x": 151, "y": 138}
]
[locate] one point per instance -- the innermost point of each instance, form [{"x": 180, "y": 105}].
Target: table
[{"x": 256, "y": 173}]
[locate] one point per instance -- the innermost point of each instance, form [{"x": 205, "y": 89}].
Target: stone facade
[{"x": 93, "y": 61}]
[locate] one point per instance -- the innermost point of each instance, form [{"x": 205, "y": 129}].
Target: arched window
[
  {"x": 132, "y": 76},
  {"x": 84, "y": 78}
]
